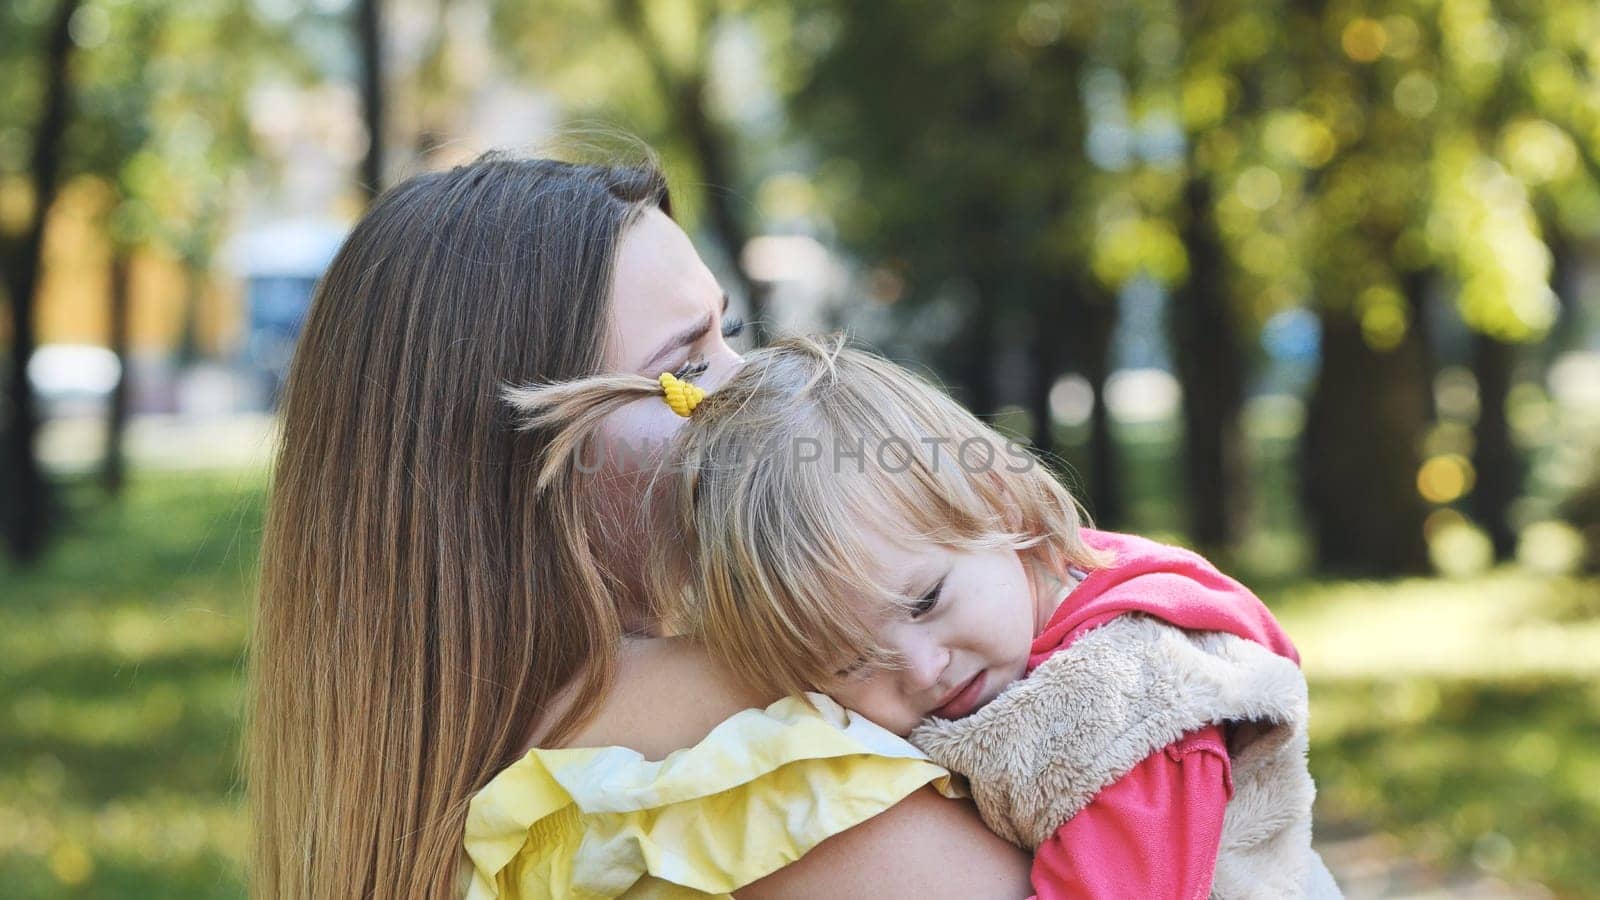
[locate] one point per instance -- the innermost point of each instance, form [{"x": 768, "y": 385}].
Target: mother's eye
[{"x": 690, "y": 370}]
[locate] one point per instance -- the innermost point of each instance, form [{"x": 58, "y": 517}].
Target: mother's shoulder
[{"x": 668, "y": 694}]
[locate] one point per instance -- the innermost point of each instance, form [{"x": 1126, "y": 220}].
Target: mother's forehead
[{"x": 659, "y": 288}]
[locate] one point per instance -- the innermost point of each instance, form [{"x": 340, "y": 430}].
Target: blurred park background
[{"x": 1312, "y": 286}]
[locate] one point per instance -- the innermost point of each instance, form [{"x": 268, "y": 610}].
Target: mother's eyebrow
[{"x": 682, "y": 339}]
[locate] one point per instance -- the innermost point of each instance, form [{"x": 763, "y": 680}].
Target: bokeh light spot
[
  {"x": 89, "y": 27},
  {"x": 1455, "y": 393},
  {"x": 1402, "y": 36},
  {"x": 1039, "y": 24},
  {"x": 1493, "y": 852},
  {"x": 1383, "y": 327},
  {"x": 1551, "y": 547},
  {"x": 1204, "y": 101},
  {"x": 1364, "y": 39},
  {"x": 1460, "y": 550},
  {"x": 1416, "y": 95},
  {"x": 1445, "y": 478},
  {"x": 70, "y": 863},
  {"x": 1538, "y": 152},
  {"x": 1258, "y": 188},
  {"x": 1439, "y": 520},
  {"x": 1071, "y": 400}
]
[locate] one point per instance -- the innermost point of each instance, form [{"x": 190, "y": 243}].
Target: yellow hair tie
[{"x": 682, "y": 396}]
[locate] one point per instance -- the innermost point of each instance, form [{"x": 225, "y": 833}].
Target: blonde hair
[
  {"x": 761, "y": 499},
  {"x": 421, "y": 604}
]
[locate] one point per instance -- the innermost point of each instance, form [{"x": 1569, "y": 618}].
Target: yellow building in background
[{"x": 75, "y": 286}]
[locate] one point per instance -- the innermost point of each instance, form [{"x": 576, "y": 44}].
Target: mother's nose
[{"x": 723, "y": 365}]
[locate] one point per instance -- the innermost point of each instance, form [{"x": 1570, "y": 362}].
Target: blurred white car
[{"x": 73, "y": 379}]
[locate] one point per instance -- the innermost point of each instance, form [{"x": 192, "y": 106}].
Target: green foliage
[
  {"x": 23, "y": 27},
  {"x": 623, "y": 69},
  {"x": 1347, "y": 144},
  {"x": 161, "y": 116},
  {"x": 158, "y": 109},
  {"x": 952, "y": 137}
]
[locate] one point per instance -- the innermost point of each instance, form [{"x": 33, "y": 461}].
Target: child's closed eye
[{"x": 929, "y": 601}]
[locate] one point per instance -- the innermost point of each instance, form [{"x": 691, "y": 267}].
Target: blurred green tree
[
  {"x": 953, "y": 154},
  {"x": 1205, "y": 72},
  {"x": 651, "y": 65},
  {"x": 157, "y": 115},
  {"x": 112, "y": 123},
  {"x": 161, "y": 121},
  {"x": 1535, "y": 145},
  {"x": 1436, "y": 113},
  {"x": 1373, "y": 273}
]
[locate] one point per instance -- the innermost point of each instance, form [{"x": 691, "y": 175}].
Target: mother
[{"x": 425, "y": 619}]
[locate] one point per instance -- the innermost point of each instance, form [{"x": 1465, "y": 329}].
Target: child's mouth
[{"x": 965, "y": 700}]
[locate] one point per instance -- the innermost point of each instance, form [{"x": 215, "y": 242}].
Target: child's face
[{"x": 966, "y": 640}]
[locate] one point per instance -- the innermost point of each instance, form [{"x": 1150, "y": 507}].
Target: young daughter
[{"x": 1121, "y": 708}]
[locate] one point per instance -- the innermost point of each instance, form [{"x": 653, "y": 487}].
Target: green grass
[
  {"x": 1501, "y": 776},
  {"x": 119, "y": 694},
  {"x": 1462, "y": 717}
]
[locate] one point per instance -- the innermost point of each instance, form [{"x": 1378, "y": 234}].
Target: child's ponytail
[{"x": 573, "y": 410}]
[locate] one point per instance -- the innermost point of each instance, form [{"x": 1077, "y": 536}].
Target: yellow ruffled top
[{"x": 757, "y": 793}]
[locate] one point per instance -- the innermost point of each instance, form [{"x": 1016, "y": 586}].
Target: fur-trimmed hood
[{"x": 1089, "y": 714}]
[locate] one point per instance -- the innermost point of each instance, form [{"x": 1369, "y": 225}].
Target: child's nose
[{"x": 926, "y": 665}]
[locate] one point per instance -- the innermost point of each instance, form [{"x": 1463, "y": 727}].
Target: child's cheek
[{"x": 879, "y": 706}]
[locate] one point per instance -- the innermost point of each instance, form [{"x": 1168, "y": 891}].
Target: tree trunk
[
  {"x": 1565, "y": 258},
  {"x": 189, "y": 334},
  {"x": 1097, "y": 320},
  {"x": 1209, "y": 366},
  {"x": 1045, "y": 357},
  {"x": 113, "y": 469},
  {"x": 974, "y": 348},
  {"x": 716, "y": 168},
  {"x": 1494, "y": 457},
  {"x": 1361, "y": 447},
  {"x": 369, "y": 38},
  {"x": 27, "y": 496}
]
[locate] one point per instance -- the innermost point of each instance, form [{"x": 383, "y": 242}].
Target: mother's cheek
[{"x": 634, "y": 438}]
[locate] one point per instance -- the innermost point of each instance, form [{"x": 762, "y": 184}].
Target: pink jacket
[{"x": 1154, "y": 833}]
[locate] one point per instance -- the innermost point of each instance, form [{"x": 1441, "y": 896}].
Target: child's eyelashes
[
  {"x": 928, "y": 602},
  {"x": 920, "y": 608},
  {"x": 732, "y": 327}
]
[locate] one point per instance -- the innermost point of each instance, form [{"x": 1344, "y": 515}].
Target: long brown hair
[{"x": 420, "y": 602}]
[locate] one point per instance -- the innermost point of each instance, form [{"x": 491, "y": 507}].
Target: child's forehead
[{"x": 901, "y": 560}]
